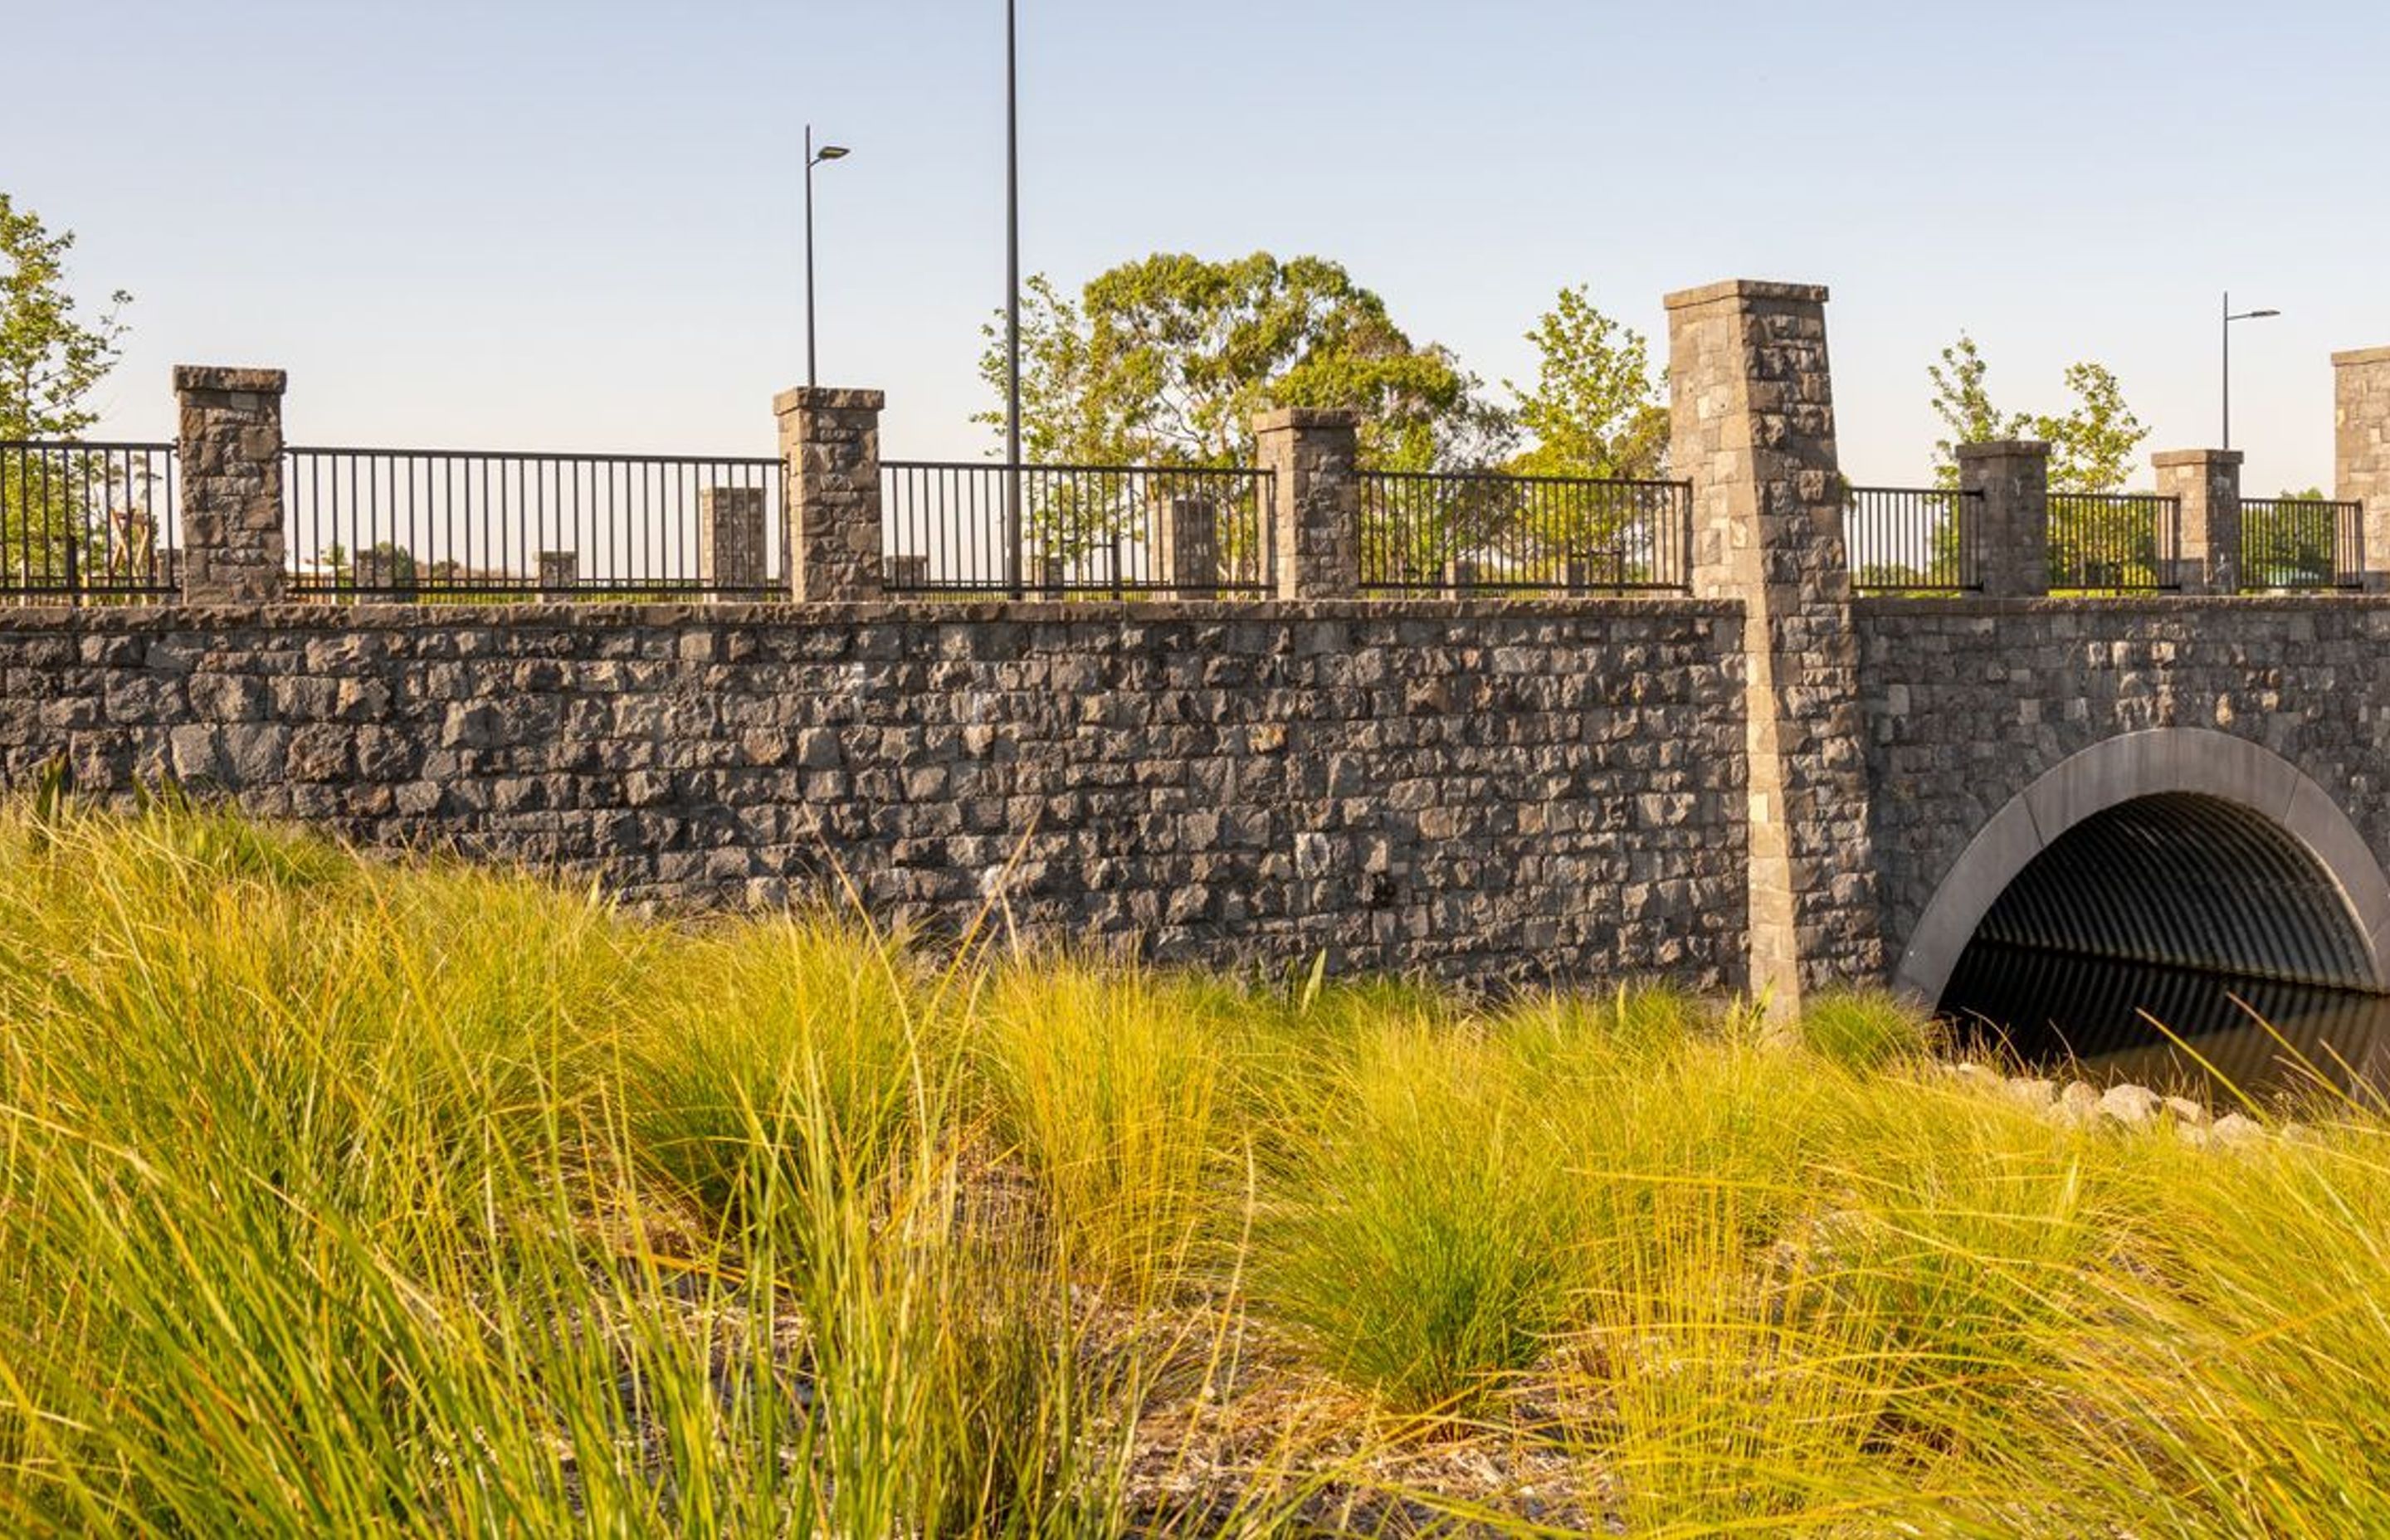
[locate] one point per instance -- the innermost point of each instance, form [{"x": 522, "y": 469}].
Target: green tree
[
  {"x": 1165, "y": 362},
  {"x": 63, "y": 513},
  {"x": 50, "y": 359},
  {"x": 2293, "y": 543},
  {"x": 1964, "y": 404},
  {"x": 1595, "y": 409},
  {"x": 2092, "y": 448}
]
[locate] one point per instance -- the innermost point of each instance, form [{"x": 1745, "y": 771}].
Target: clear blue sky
[{"x": 576, "y": 226}]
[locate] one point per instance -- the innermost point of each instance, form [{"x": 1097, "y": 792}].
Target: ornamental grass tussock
[{"x": 343, "y": 1196}]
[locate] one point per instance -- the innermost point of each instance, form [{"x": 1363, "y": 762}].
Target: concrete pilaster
[{"x": 1752, "y": 425}]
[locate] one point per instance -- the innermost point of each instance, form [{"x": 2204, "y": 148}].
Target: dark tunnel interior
[{"x": 2189, "y": 909}]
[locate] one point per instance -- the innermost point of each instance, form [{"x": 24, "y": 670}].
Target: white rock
[
  {"x": 2078, "y": 1102},
  {"x": 2130, "y": 1105},
  {"x": 2186, "y": 1111},
  {"x": 2233, "y": 1128}
]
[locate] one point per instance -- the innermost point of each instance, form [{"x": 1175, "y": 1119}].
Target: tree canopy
[
  {"x": 1167, "y": 360},
  {"x": 50, "y": 358},
  {"x": 2092, "y": 445},
  {"x": 1595, "y": 409}
]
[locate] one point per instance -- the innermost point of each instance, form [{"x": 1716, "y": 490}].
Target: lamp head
[{"x": 830, "y": 152}]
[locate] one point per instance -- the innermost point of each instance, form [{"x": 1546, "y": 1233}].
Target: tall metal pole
[
  {"x": 2228, "y": 370},
  {"x": 1011, "y": 303},
  {"x": 809, "y": 255}
]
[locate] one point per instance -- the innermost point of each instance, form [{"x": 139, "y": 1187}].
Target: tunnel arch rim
[{"x": 2154, "y": 762}]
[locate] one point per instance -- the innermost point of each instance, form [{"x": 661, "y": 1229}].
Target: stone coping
[
  {"x": 1287, "y": 420},
  {"x": 2360, "y": 356},
  {"x": 230, "y": 379},
  {"x": 388, "y": 617},
  {"x": 828, "y": 398},
  {"x": 2167, "y": 458},
  {"x": 1951, "y": 604},
  {"x": 1745, "y": 289}
]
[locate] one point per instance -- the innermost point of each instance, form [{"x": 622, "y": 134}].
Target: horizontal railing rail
[
  {"x": 2301, "y": 543},
  {"x": 1456, "y": 532},
  {"x": 1914, "y": 540},
  {"x": 470, "y": 523},
  {"x": 2115, "y": 543},
  {"x": 1106, "y": 530},
  {"x": 89, "y": 520}
]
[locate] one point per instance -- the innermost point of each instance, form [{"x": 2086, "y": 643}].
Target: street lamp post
[
  {"x": 813, "y": 158},
  {"x": 1013, "y": 553},
  {"x": 2229, "y": 319}
]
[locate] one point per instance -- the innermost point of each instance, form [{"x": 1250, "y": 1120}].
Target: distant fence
[
  {"x": 1456, "y": 532},
  {"x": 2115, "y": 543},
  {"x": 1914, "y": 540},
  {"x": 82, "y": 521},
  {"x": 415, "y": 523},
  {"x": 1079, "y": 529},
  {"x": 2301, "y": 543}
]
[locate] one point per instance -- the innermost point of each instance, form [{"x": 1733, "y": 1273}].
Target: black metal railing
[
  {"x": 2115, "y": 543},
  {"x": 421, "y": 523},
  {"x": 84, "y": 521},
  {"x": 1914, "y": 540},
  {"x": 2301, "y": 543},
  {"x": 1080, "y": 529},
  {"x": 1458, "y": 532}
]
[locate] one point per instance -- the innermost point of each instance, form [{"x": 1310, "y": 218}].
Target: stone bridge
[{"x": 1768, "y": 782}]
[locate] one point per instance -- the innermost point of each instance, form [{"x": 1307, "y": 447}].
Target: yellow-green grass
[{"x": 344, "y": 1196}]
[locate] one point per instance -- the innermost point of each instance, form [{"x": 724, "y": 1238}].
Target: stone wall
[
  {"x": 1486, "y": 792},
  {"x": 1969, "y": 701}
]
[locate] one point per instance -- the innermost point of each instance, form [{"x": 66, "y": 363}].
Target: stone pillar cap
[
  {"x": 1745, "y": 289},
  {"x": 1278, "y": 419},
  {"x": 829, "y": 398},
  {"x": 1989, "y": 449},
  {"x": 2360, "y": 356},
  {"x": 2166, "y": 458},
  {"x": 221, "y": 376}
]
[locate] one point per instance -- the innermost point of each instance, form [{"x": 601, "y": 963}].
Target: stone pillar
[
  {"x": 1315, "y": 524},
  {"x": 2362, "y": 451},
  {"x": 2009, "y": 557},
  {"x": 829, "y": 454},
  {"x": 560, "y": 573},
  {"x": 1752, "y": 425},
  {"x": 384, "y": 570},
  {"x": 2206, "y": 485},
  {"x": 228, "y": 440},
  {"x": 730, "y": 561},
  {"x": 1187, "y": 544}
]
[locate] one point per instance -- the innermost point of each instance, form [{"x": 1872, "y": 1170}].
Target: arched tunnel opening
[{"x": 2188, "y": 910}]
